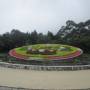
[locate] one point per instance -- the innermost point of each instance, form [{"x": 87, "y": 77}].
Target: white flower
[{"x": 41, "y": 50}]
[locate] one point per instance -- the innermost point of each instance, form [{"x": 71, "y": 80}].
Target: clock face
[{"x": 46, "y": 52}]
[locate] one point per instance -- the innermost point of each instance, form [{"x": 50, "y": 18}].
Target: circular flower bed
[{"x": 46, "y": 52}]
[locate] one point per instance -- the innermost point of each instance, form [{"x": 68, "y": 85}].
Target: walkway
[{"x": 45, "y": 79}]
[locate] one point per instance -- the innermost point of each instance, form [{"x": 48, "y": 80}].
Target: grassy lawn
[{"x": 23, "y": 50}]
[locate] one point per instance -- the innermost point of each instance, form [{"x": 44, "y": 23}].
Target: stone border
[
  {"x": 20, "y": 88},
  {"x": 44, "y": 68}
]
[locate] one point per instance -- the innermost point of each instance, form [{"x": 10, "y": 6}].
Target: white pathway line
[{"x": 45, "y": 79}]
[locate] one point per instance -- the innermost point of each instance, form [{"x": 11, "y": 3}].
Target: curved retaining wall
[{"x": 44, "y": 68}]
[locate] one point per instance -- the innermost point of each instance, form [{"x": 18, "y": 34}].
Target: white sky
[{"x": 41, "y": 15}]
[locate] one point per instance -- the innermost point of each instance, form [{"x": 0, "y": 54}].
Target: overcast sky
[{"x": 41, "y": 15}]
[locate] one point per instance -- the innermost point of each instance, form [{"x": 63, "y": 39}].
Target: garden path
[{"x": 44, "y": 79}]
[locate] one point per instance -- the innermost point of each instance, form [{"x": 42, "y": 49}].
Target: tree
[
  {"x": 34, "y": 37},
  {"x": 18, "y": 38},
  {"x": 50, "y": 37}
]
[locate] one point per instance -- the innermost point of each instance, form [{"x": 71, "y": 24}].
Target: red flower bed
[{"x": 16, "y": 55}]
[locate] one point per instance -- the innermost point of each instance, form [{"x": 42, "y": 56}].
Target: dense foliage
[{"x": 72, "y": 34}]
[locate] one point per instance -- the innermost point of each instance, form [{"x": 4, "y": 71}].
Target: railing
[{"x": 44, "y": 68}]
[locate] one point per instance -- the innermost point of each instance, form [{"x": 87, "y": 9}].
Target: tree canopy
[{"x": 76, "y": 34}]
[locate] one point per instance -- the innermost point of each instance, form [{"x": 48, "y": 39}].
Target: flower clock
[{"x": 46, "y": 52}]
